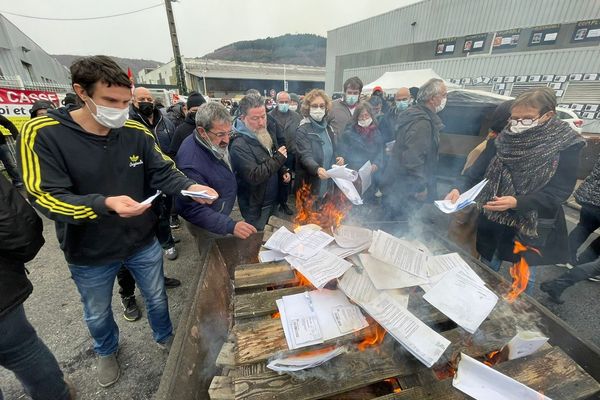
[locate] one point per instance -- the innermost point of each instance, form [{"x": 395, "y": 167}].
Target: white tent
[{"x": 390, "y": 82}]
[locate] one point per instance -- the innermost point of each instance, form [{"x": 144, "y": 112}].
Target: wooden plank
[
  {"x": 226, "y": 357},
  {"x": 276, "y": 223},
  {"x": 221, "y": 388},
  {"x": 263, "y": 275},
  {"x": 263, "y": 303},
  {"x": 258, "y": 341},
  {"x": 342, "y": 374}
]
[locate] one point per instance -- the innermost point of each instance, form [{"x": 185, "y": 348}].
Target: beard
[{"x": 264, "y": 138}]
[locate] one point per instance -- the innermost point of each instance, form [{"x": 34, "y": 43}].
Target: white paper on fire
[
  {"x": 462, "y": 299},
  {"x": 320, "y": 268},
  {"x": 344, "y": 177},
  {"x": 464, "y": 200},
  {"x": 303, "y": 361},
  {"x": 485, "y": 383},
  {"x": 420, "y": 340},
  {"x": 303, "y": 244},
  {"x": 317, "y": 316},
  {"x": 399, "y": 253}
]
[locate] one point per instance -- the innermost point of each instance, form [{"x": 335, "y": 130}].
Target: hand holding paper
[{"x": 464, "y": 200}]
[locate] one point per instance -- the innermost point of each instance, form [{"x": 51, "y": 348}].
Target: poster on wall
[
  {"x": 544, "y": 35},
  {"x": 445, "y": 46},
  {"x": 507, "y": 39},
  {"x": 474, "y": 43},
  {"x": 586, "y": 31},
  {"x": 15, "y": 104}
]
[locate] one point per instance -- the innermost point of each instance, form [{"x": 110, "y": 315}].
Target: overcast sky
[{"x": 202, "y": 25}]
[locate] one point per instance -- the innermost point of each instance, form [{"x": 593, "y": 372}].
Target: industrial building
[
  {"x": 501, "y": 46},
  {"x": 220, "y": 78}
]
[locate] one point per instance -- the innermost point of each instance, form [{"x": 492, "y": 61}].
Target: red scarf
[{"x": 367, "y": 132}]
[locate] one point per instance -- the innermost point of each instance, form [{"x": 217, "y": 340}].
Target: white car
[{"x": 569, "y": 116}]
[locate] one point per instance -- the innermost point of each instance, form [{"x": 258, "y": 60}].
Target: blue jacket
[{"x": 200, "y": 163}]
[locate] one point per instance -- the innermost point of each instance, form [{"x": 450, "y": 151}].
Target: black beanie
[
  {"x": 40, "y": 105},
  {"x": 195, "y": 99}
]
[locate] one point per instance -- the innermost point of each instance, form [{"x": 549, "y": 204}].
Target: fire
[
  {"x": 492, "y": 358},
  {"x": 276, "y": 315},
  {"x": 374, "y": 338},
  {"x": 302, "y": 280},
  {"x": 329, "y": 215},
  {"x": 315, "y": 352},
  {"x": 445, "y": 371},
  {"x": 519, "y": 271},
  {"x": 395, "y": 385}
]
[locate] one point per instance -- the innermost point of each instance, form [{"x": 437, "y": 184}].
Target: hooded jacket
[
  {"x": 207, "y": 167},
  {"x": 162, "y": 128},
  {"x": 257, "y": 169},
  {"x": 414, "y": 159},
  {"x": 69, "y": 172}
]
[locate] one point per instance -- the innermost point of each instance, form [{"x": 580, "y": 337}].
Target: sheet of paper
[
  {"x": 462, "y": 300},
  {"x": 392, "y": 250},
  {"x": 327, "y": 305},
  {"x": 302, "y": 361},
  {"x": 279, "y": 239},
  {"x": 270, "y": 256},
  {"x": 304, "y": 244},
  {"x": 525, "y": 343},
  {"x": 365, "y": 176},
  {"x": 352, "y": 236},
  {"x": 343, "y": 252},
  {"x": 201, "y": 194},
  {"x": 464, "y": 200},
  {"x": 320, "y": 268},
  {"x": 349, "y": 190},
  {"x": 300, "y": 324},
  {"x": 443, "y": 263},
  {"x": 420, "y": 340},
  {"x": 341, "y": 172},
  {"x": 150, "y": 199},
  {"x": 484, "y": 383},
  {"x": 358, "y": 286},
  {"x": 386, "y": 276}
]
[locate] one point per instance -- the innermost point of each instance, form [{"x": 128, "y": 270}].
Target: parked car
[{"x": 569, "y": 116}]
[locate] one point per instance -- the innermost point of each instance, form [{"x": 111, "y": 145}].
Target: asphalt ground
[{"x": 54, "y": 309}]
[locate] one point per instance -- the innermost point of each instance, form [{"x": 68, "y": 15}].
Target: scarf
[
  {"x": 367, "y": 132},
  {"x": 524, "y": 163}
]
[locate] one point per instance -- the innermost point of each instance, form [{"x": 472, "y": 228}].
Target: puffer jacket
[
  {"x": 162, "y": 128},
  {"x": 589, "y": 191}
]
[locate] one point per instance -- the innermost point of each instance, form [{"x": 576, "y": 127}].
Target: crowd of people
[{"x": 90, "y": 164}]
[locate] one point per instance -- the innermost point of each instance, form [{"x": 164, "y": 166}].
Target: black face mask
[{"x": 146, "y": 108}]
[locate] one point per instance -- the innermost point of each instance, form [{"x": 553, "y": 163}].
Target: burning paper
[
  {"x": 320, "y": 268},
  {"x": 352, "y": 236},
  {"x": 358, "y": 287},
  {"x": 465, "y": 199},
  {"x": 344, "y": 177},
  {"x": 525, "y": 343},
  {"x": 309, "y": 359},
  {"x": 303, "y": 244},
  {"x": 484, "y": 383},
  {"x": 420, "y": 340},
  {"x": 314, "y": 317},
  {"x": 386, "y": 276},
  {"x": 400, "y": 253},
  {"x": 462, "y": 299},
  {"x": 344, "y": 252}
]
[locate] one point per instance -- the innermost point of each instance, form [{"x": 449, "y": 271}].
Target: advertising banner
[{"x": 16, "y": 103}]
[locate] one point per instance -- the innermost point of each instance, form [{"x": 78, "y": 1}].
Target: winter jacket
[
  {"x": 258, "y": 171},
  {"x": 552, "y": 228},
  {"x": 162, "y": 128},
  {"x": 175, "y": 114},
  {"x": 207, "y": 167},
  {"x": 357, "y": 149},
  {"x": 20, "y": 240},
  {"x": 413, "y": 163},
  {"x": 184, "y": 130},
  {"x": 69, "y": 172},
  {"x": 338, "y": 117},
  {"x": 589, "y": 191},
  {"x": 5, "y": 122},
  {"x": 309, "y": 154},
  {"x": 287, "y": 123}
]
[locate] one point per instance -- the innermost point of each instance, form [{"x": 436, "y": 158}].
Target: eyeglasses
[
  {"x": 322, "y": 106},
  {"x": 221, "y": 135},
  {"x": 523, "y": 121}
]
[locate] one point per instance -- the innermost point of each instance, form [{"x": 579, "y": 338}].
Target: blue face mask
[
  {"x": 283, "y": 107},
  {"x": 402, "y": 104},
  {"x": 351, "y": 99}
]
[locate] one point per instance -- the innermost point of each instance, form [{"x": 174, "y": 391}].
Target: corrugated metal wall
[{"x": 436, "y": 19}]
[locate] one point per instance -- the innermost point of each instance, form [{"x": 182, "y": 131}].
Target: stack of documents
[
  {"x": 202, "y": 194},
  {"x": 484, "y": 383},
  {"x": 303, "y": 244},
  {"x": 305, "y": 360},
  {"x": 399, "y": 253},
  {"x": 350, "y": 240},
  {"x": 314, "y": 317},
  {"x": 266, "y": 256},
  {"x": 320, "y": 268},
  {"x": 344, "y": 177},
  {"x": 465, "y": 199}
]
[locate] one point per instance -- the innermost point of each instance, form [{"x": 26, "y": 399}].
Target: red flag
[{"x": 130, "y": 76}]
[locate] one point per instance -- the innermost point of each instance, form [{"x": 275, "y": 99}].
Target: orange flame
[
  {"x": 315, "y": 352},
  {"x": 374, "y": 338},
  {"x": 492, "y": 358},
  {"x": 276, "y": 315},
  {"x": 445, "y": 371},
  {"x": 329, "y": 215},
  {"x": 302, "y": 280},
  {"x": 395, "y": 385},
  {"x": 519, "y": 271}
]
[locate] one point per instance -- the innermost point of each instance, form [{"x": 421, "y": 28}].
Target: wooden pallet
[{"x": 256, "y": 336}]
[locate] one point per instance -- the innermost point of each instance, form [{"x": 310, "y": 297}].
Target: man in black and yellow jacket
[{"x": 89, "y": 169}]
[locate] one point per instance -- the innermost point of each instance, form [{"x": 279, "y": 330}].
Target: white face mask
[
  {"x": 365, "y": 123},
  {"x": 441, "y": 106},
  {"x": 109, "y": 117},
  {"x": 293, "y": 107},
  {"x": 520, "y": 128},
  {"x": 317, "y": 114}
]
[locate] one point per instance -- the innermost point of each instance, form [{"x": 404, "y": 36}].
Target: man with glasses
[
  {"x": 258, "y": 161},
  {"x": 204, "y": 157}
]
